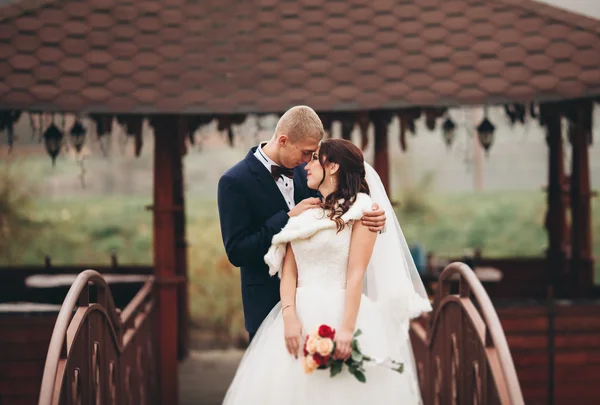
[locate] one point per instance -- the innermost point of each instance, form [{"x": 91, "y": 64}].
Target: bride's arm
[
  {"x": 361, "y": 248},
  {"x": 287, "y": 291}
]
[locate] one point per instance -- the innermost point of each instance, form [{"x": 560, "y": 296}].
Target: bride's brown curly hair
[{"x": 350, "y": 175}]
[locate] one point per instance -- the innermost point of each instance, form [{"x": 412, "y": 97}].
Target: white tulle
[
  {"x": 392, "y": 278},
  {"x": 269, "y": 375}
]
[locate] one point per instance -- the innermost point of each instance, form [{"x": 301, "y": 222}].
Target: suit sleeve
[{"x": 245, "y": 245}]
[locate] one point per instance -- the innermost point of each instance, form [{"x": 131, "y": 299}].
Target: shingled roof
[{"x": 223, "y": 56}]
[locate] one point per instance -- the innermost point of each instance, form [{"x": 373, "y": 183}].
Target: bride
[{"x": 335, "y": 271}]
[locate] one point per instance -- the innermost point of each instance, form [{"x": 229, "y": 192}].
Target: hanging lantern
[
  {"x": 448, "y": 131},
  {"x": 78, "y": 132},
  {"x": 53, "y": 141},
  {"x": 485, "y": 131}
]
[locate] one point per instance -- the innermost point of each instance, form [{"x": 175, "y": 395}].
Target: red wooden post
[
  {"x": 582, "y": 266},
  {"x": 381, "y": 121},
  {"x": 167, "y": 168},
  {"x": 181, "y": 243},
  {"x": 556, "y": 222}
]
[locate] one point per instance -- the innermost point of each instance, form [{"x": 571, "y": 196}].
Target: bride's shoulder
[
  {"x": 363, "y": 199},
  {"x": 361, "y": 204}
]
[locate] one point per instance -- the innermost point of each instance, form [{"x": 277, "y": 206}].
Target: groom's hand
[
  {"x": 375, "y": 219},
  {"x": 304, "y": 205}
]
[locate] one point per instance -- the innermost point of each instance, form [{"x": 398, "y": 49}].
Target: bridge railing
[
  {"x": 461, "y": 352},
  {"x": 98, "y": 354}
]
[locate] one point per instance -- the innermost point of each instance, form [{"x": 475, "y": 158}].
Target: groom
[{"x": 257, "y": 197}]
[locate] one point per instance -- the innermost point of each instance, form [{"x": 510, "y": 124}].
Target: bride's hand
[
  {"x": 293, "y": 334},
  {"x": 343, "y": 344}
]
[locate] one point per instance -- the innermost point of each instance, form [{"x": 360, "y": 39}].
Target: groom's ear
[{"x": 282, "y": 140}]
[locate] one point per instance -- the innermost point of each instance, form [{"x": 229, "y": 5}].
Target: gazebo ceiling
[{"x": 226, "y": 56}]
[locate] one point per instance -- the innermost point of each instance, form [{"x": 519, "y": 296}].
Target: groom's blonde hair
[{"x": 300, "y": 122}]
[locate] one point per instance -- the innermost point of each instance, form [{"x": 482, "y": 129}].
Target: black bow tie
[{"x": 278, "y": 171}]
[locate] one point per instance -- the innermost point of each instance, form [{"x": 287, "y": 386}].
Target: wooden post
[
  {"x": 556, "y": 222},
  {"x": 181, "y": 245},
  {"x": 167, "y": 172},
  {"x": 381, "y": 121},
  {"x": 582, "y": 262}
]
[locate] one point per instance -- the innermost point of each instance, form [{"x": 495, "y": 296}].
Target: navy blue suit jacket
[{"x": 252, "y": 210}]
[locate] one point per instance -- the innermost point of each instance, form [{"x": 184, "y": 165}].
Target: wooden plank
[
  {"x": 26, "y": 321},
  {"x": 562, "y": 341},
  {"x": 19, "y": 387},
  {"x": 26, "y": 351},
  {"x": 28, "y": 399},
  {"x": 26, "y": 335},
  {"x": 518, "y": 325},
  {"x": 523, "y": 358},
  {"x": 578, "y": 323},
  {"x": 18, "y": 369},
  {"x": 579, "y": 373}
]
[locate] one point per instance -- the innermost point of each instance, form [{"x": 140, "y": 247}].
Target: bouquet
[{"x": 319, "y": 347}]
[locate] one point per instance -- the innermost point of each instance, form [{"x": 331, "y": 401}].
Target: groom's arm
[{"x": 244, "y": 244}]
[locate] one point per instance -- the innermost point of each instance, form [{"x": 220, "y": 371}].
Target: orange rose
[
  {"x": 309, "y": 364},
  {"x": 311, "y": 345},
  {"x": 324, "y": 346}
]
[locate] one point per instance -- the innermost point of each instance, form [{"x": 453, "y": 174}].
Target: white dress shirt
[{"x": 285, "y": 184}]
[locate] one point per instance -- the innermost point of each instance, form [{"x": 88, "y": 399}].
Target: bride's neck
[{"x": 326, "y": 189}]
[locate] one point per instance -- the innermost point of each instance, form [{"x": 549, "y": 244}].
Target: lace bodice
[
  {"x": 322, "y": 259},
  {"x": 321, "y": 252}
]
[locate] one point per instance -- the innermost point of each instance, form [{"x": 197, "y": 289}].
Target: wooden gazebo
[{"x": 182, "y": 63}]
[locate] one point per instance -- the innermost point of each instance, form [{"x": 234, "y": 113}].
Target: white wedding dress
[{"x": 268, "y": 375}]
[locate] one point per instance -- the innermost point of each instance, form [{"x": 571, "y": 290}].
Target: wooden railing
[
  {"x": 461, "y": 352},
  {"x": 98, "y": 355}
]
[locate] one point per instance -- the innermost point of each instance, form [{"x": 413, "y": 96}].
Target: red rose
[
  {"x": 326, "y": 332},
  {"x": 321, "y": 360}
]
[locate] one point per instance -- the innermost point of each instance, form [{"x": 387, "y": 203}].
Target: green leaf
[
  {"x": 336, "y": 368},
  {"x": 360, "y": 376},
  {"x": 357, "y": 333},
  {"x": 357, "y": 356}
]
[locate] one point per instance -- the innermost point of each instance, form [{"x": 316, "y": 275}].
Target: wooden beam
[
  {"x": 381, "y": 121},
  {"x": 556, "y": 216},
  {"x": 582, "y": 262},
  {"x": 181, "y": 246},
  {"x": 167, "y": 168}
]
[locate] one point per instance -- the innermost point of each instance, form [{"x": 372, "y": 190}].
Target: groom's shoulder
[{"x": 239, "y": 171}]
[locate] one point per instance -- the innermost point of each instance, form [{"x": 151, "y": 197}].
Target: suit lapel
[{"x": 263, "y": 177}]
